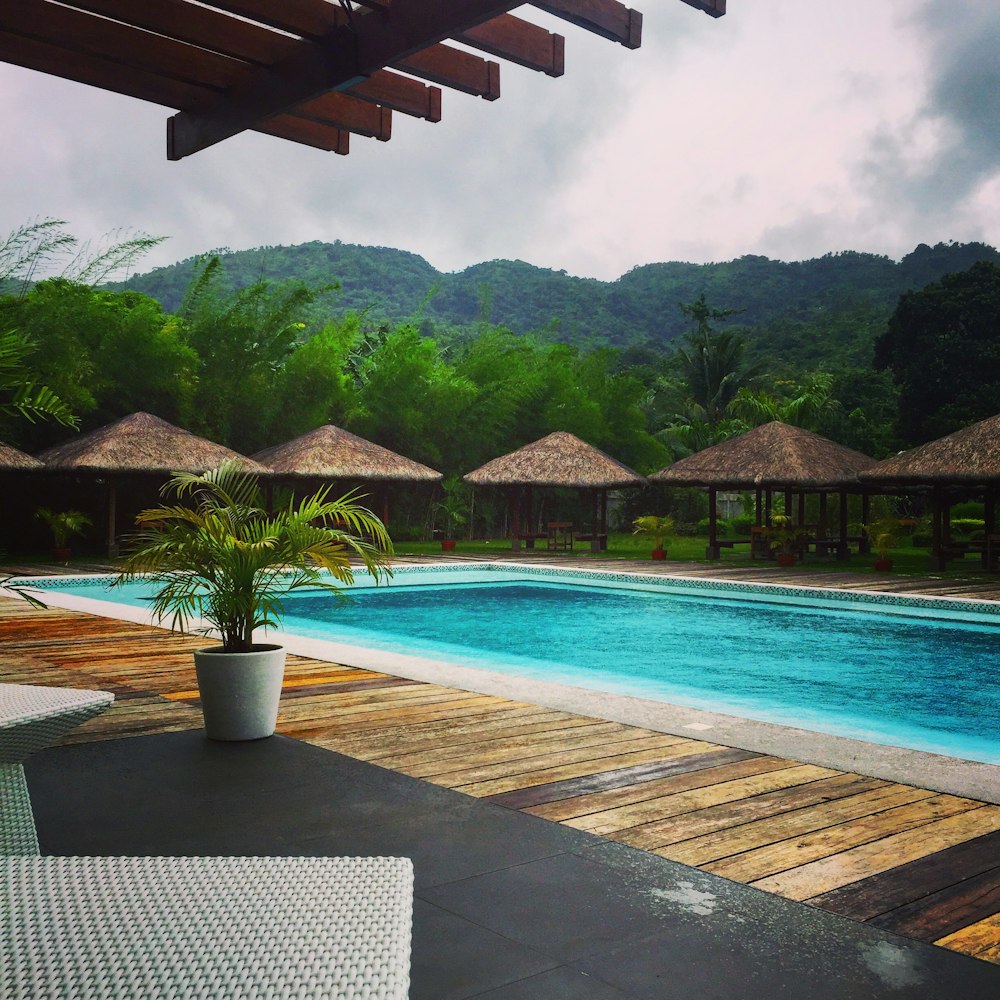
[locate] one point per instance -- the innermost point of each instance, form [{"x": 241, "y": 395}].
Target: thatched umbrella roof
[
  {"x": 561, "y": 459},
  {"x": 969, "y": 456},
  {"x": 774, "y": 455},
  {"x": 141, "y": 443},
  {"x": 12, "y": 459},
  {"x": 332, "y": 453}
]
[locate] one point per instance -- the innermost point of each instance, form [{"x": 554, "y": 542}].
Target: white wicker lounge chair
[{"x": 208, "y": 928}]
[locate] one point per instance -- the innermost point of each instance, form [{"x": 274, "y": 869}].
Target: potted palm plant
[
  {"x": 454, "y": 505},
  {"x": 883, "y": 534},
  {"x": 657, "y": 528},
  {"x": 784, "y": 536},
  {"x": 222, "y": 559},
  {"x": 63, "y": 524}
]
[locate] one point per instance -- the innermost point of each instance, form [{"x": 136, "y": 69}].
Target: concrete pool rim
[{"x": 950, "y": 775}]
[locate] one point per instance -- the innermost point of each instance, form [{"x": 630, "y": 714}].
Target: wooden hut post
[
  {"x": 112, "y": 519},
  {"x": 937, "y": 528},
  {"x": 758, "y": 508},
  {"x": 515, "y": 518},
  {"x": 865, "y": 545},
  {"x": 843, "y": 549},
  {"x": 712, "y": 551},
  {"x": 989, "y": 525}
]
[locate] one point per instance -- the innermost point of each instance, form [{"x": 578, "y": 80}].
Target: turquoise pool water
[{"x": 903, "y": 673}]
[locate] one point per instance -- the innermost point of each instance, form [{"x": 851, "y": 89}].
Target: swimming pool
[{"x": 914, "y": 672}]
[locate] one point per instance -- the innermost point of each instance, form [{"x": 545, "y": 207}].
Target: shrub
[
  {"x": 968, "y": 509},
  {"x": 742, "y": 525},
  {"x": 721, "y": 527},
  {"x": 967, "y": 525}
]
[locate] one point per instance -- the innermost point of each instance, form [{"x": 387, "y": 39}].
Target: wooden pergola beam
[
  {"x": 345, "y": 112},
  {"x": 83, "y": 33},
  {"x": 341, "y": 59},
  {"x": 99, "y": 72},
  {"x": 518, "y": 41},
  {"x": 455, "y": 69},
  {"x": 715, "y": 8},
  {"x": 309, "y": 133},
  {"x": 410, "y": 97},
  {"x": 606, "y": 18}
]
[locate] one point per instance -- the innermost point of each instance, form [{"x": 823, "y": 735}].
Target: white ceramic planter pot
[{"x": 240, "y": 691}]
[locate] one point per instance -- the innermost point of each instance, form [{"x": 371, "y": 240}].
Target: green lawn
[{"x": 907, "y": 561}]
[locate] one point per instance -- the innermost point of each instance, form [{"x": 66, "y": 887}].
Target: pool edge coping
[{"x": 935, "y": 772}]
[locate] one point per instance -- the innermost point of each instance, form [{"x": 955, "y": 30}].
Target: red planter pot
[
  {"x": 883, "y": 565},
  {"x": 447, "y": 544},
  {"x": 61, "y": 555},
  {"x": 785, "y": 558},
  {"x": 658, "y": 554}
]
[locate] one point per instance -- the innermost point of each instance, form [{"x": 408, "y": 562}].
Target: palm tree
[
  {"x": 802, "y": 405},
  {"x": 713, "y": 365}
]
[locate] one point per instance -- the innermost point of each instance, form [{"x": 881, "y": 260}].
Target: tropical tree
[
  {"x": 942, "y": 348},
  {"x": 20, "y": 396},
  {"x": 802, "y": 405},
  {"x": 713, "y": 366},
  {"x": 242, "y": 339}
]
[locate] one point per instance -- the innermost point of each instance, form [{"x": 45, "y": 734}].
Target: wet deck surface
[{"x": 893, "y": 856}]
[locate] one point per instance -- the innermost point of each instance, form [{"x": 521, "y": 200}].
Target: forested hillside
[{"x": 806, "y": 313}]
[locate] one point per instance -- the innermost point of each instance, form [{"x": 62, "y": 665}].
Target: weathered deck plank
[{"x": 909, "y": 859}]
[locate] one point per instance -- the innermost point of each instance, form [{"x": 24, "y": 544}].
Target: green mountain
[{"x": 800, "y": 312}]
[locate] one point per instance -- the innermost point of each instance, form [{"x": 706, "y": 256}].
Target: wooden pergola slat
[
  {"x": 607, "y": 18},
  {"x": 401, "y": 93},
  {"x": 308, "y": 70},
  {"x": 518, "y": 41},
  {"x": 344, "y": 56},
  {"x": 455, "y": 69}
]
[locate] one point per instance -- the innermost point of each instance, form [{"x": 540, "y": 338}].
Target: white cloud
[{"x": 784, "y": 128}]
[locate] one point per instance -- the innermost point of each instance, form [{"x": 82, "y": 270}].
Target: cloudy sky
[{"x": 785, "y": 128}]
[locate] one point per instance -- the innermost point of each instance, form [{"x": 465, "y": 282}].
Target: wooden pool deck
[{"x": 907, "y": 859}]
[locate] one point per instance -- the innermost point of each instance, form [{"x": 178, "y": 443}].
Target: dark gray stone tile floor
[{"x": 508, "y": 906}]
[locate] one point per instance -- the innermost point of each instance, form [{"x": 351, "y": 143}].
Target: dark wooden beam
[
  {"x": 400, "y": 93},
  {"x": 519, "y": 41},
  {"x": 345, "y": 56},
  {"x": 346, "y": 112},
  {"x": 133, "y": 49},
  {"x": 210, "y": 29},
  {"x": 309, "y": 18},
  {"x": 607, "y": 18},
  {"x": 716, "y": 8},
  {"x": 99, "y": 72},
  {"x": 309, "y": 133},
  {"x": 456, "y": 69}
]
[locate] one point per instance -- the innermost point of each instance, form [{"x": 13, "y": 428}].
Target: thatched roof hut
[
  {"x": 332, "y": 453},
  {"x": 969, "y": 457},
  {"x": 12, "y": 460},
  {"x": 963, "y": 464},
  {"x": 138, "y": 445},
  {"x": 772, "y": 456},
  {"x": 560, "y": 459},
  {"x": 141, "y": 443}
]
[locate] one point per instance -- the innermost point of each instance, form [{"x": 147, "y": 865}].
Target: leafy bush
[
  {"x": 721, "y": 527},
  {"x": 968, "y": 509},
  {"x": 967, "y": 525},
  {"x": 741, "y": 525}
]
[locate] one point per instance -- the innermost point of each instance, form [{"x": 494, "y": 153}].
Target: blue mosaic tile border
[{"x": 774, "y": 593}]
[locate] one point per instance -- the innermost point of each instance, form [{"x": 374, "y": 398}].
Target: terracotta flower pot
[
  {"x": 658, "y": 554},
  {"x": 785, "y": 558},
  {"x": 61, "y": 554},
  {"x": 447, "y": 544},
  {"x": 883, "y": 565}
]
